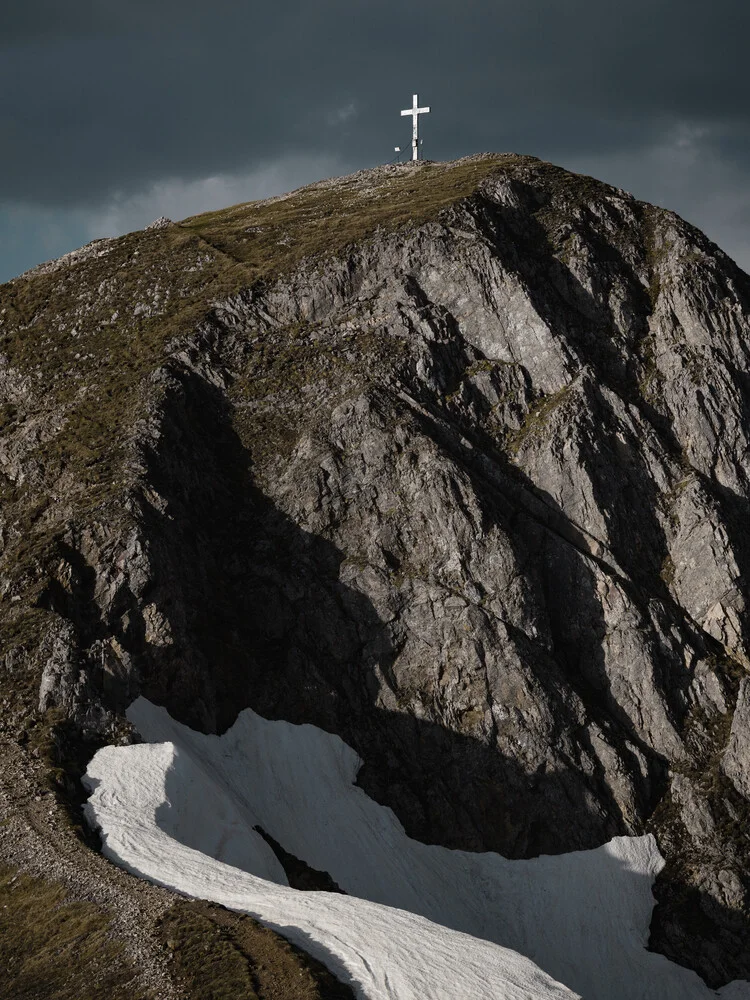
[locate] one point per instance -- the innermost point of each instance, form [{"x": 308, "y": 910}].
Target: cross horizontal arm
[{"x": 415, "y": 111}]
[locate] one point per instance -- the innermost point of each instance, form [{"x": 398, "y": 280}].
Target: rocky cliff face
[{"x": 451, "y": 460}]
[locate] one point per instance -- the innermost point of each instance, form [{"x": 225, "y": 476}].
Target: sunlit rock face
[{"x": 449, "y": 460}]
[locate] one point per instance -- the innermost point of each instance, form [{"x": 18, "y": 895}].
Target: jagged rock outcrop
[{"x": 451, "y": 460}]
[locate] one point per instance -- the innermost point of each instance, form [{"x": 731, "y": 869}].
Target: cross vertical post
[{"x": 415, "y": 111}]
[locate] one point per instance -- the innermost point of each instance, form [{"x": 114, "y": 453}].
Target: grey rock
[
  {"x": 61, "y": 673},
  {"x": 161, "y": 223},
  {"x": 695, "y": 812},
  {"x": 736, "y": 760}
]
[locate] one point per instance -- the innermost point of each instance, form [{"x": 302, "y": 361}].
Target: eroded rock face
[
  {"x": 473, "y": 495},
  {"x": 736, "y": 760}
]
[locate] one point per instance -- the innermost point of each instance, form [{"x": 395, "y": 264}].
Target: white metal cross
[{"x": 415, "y": 111}]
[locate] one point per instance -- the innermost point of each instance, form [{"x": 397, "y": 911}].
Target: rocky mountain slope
[{"x": 448, "y": 459}]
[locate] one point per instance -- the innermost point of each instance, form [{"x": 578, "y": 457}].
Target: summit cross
[{"x": 415, "y": 111}]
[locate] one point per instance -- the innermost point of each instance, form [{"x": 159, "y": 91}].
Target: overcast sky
[{"x": 114, "y": 112}]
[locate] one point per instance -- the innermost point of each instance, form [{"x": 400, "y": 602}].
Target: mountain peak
[{"x": 448, "y": 459}]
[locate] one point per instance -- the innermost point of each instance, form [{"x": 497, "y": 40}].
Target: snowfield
[{"x": 420, "y": 922}]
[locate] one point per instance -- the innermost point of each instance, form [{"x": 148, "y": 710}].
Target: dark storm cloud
[{"x": 104, "y": 97}]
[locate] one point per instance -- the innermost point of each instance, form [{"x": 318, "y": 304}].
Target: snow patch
[{"x": 419, "y": 921}]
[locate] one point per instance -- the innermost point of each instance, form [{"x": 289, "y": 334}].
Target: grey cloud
[{"x": 102, "y": 100}]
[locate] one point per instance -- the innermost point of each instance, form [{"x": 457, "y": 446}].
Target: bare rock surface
[
  {"x": 451, "y": 461},
  {"x": 736, "y": 760}
]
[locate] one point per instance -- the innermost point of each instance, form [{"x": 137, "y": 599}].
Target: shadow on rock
[{"x": 258, "y": 617}]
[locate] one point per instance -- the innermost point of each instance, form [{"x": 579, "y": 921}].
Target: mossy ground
[
  {"x": 272, "y": 237},
  {"x": 221, "y": 955},
  {"x": 54, "y": 949}
]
